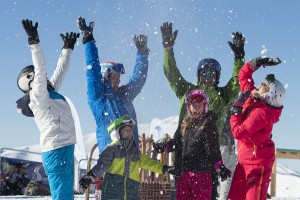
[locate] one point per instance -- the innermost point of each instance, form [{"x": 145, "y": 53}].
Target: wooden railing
[{"x": 285, "y": 154}]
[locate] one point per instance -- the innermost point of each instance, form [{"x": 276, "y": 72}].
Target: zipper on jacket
[
  {"x": 125, "y": 179},
  {"x": 254, "y": 150},
  {"x": 104, "y": 189}
]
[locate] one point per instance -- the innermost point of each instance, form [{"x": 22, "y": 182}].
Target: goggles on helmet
[
  {"x": 197, "y": 96},
  {"x": 213, "y": 65},
  {"x": 108, "y": 68},
  {"x": 207, "y": 71}
]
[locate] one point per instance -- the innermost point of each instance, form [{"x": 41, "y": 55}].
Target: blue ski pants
[{"x": 59, "y": 167}]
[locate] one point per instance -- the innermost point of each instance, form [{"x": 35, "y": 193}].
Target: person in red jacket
[{"x": 253, "y": 115}]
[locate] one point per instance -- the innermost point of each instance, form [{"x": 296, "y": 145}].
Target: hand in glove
[
  {"x": 267, "y": 61},
  {"x": 223, "y": 172},
  {"x": 86, "y": 31},
  {"x": 33, "y": 36},
  {"x": 168, "y": 36},
  {"x": 164, "y": 146},
  {"x": 141, "y": 43},
  {"x": 270, "y": 78},
  {"x": 69, "y": 40},
  {"x": 237, "y": 106},
  {"x": 171, "y": 170},
  {"x": 87, "y": 179},
  {"x": 237, "y": 45}
]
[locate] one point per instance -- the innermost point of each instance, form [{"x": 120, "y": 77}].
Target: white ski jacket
[{"x": 52, "y": 113}]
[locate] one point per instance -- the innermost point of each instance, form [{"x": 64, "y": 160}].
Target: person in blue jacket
[{"x": 109, "y": 101}]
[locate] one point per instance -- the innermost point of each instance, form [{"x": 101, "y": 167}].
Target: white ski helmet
[
  {"x": 25, "y": 78},
  {"x": 114, "y": 128},
  {"x": 276, "y": 95}
]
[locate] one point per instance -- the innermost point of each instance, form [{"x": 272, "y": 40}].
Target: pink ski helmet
[{"x": 197, "y": 96}]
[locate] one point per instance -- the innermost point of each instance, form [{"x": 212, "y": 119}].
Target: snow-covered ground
[{"x": 288, "y": 180}]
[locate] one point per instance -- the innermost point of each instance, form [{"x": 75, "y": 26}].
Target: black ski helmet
[
  {"x": 25, "y": 78},
  {"x": 212, "y": 63}
]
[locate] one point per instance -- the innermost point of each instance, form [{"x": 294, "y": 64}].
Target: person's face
[
  {"x": 21, "y": 170},
  {"x": 196, "y": 109},
  {"x": 208, "y": 76},
  {"x": 114, "y": 79},
  {"x": 262, "y": 89},
  {"x": 126, "y": 133}
]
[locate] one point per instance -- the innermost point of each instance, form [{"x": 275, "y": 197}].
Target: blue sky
[{"x": 204, "y": 29}]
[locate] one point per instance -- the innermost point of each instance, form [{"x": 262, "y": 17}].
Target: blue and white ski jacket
[
  {"x": 106, "y": 104},
  {"x": 51, "y": 111}
]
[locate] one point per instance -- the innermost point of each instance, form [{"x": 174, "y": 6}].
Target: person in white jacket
[{"x": 51, "y": 112}]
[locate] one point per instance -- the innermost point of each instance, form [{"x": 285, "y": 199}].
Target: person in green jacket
[
  {"x": 208, "y": 75},
  {"x": 121, "y": 161}
]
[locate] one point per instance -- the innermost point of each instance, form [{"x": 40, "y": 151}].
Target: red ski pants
[
  {"x": 194, "y": 186},
  {"x": 250, "y": 182}
]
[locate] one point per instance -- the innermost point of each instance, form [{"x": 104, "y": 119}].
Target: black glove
[
  {"x": 87, "y": 179},
  {"x": 33, "y": 36},
  {"x": 69, "y": 40},
  {"x": 223, "y": 172},
  {"x": 141, "y": 43},
  {"x": 270, "y": 78},
  {"x": 86, "y": 31},
  {"x": 159, "y": 146},
  {"x": 267, "y": 61},
  {"x": 164, "y": 146},
  {"x": 168, "y": 37},
  {"x": 237, "y": 45},
  {"x": 237, "y": 106},
  {"x": 171, "y": 170}
]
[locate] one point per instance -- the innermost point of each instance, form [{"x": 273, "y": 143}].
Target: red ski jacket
[{"x": 254, "y": 126}]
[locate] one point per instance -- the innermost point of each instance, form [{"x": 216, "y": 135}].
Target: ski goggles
[
  {"x": 213, "y": 65},
  {"x": 111, "y": 67},
  {"x": 208, "y": 71},
  {"x": 196, "y": 96}
]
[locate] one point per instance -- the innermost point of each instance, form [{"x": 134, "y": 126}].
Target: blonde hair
[{"x": 187, "y": 122}]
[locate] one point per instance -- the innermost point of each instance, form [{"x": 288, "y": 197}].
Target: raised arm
[
  {"x": 63, "y": 63},
  {"x": 245, "y": 75},
  {"x": 39, "y": 83},
  {"x": 232, "y": 88},
  {"x": 178, "y": 84},
  {"x": 95, "y": 84},
  {"x": 138, "y": 79}
]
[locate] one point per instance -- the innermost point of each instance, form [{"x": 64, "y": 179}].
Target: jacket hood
[{"x": 274, "y": 112}]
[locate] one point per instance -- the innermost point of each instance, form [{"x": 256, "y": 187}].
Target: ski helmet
[
  {"x": 114, "y": 128},
  {"x": 212, "y": 63},
  {"x": 276, "y": 95},
  {"x": 197, "y": 96},
  {"x": 108, "y": 68},
  {"x": 25, "y": 78}
]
